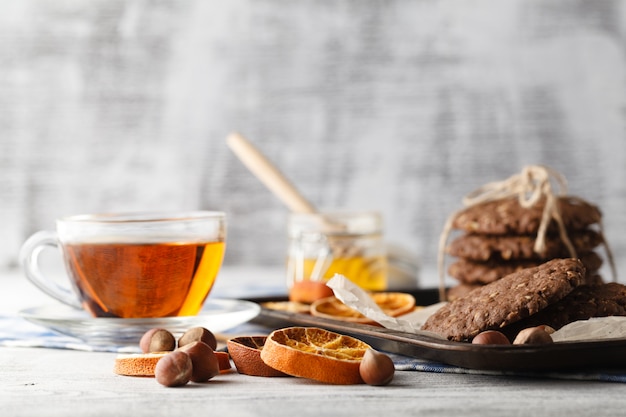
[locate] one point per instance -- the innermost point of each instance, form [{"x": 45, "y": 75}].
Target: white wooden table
[
  {"x": 59, "y": 382},
  {"x": 37, "y": 382}
]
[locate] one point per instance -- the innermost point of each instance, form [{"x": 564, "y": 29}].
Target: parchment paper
[{"x": 355, "y": 297}]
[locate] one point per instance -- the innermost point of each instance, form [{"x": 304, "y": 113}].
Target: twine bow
[{"x": 531, "y": 186}]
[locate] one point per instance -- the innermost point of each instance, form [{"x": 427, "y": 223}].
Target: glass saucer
[{"x": 217, "y": 315}]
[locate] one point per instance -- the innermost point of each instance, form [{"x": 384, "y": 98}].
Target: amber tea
[{"x": 144, "y": 279}]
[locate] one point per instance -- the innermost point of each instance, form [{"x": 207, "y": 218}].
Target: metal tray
[{"x": 601, "y": 354}]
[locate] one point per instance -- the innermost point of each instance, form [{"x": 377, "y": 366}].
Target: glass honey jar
[{"x": 328, "y": 243}]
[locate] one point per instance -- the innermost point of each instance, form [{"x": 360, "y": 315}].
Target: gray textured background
[{"x": 402, "y": 106}]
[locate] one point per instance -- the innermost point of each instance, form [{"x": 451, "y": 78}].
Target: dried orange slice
[
  {"x": 314, "y": 353},
  {"x": 333, "y": 308},
  {"x": 289, "y": 306},
  {"x": 137, "y": 364},
  {"x": 394, "y": 304},
  {"x": 245, "y": 352}
]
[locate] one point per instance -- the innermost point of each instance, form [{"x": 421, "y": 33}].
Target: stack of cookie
[{"x": 498, "y": 238}]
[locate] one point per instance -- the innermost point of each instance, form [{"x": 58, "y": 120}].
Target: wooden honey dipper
[
  {"x": 269, "y": 175},
  {"x": 273, "y": 179}
]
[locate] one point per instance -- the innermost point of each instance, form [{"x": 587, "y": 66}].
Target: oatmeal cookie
[
  {"x": 472, "y": 272},
  {"x": 515, "y": 247},
  {"x": 503, "y": 217},
  {"x": 507, "y": 300}
]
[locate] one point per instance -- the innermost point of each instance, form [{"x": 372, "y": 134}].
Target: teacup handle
[{"x": 29, "y": 258}]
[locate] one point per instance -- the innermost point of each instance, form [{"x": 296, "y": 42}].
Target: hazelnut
[
  {"x": 547, "y": 328},
  {"x": 490, "y": 337},
  {"x": 534, "y": 336},
  {"x": 174, "y": 369},
  {"x": 198, "y": 334},
  {"x": 204, "y": 360},
  {"x": 376, "y": 368},
  {"x": 157, "y": 340}
]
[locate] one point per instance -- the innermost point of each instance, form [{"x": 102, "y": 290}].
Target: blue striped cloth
[
  {"x": 403, "y": 363},
  {"x": 18, "y": 332}
]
